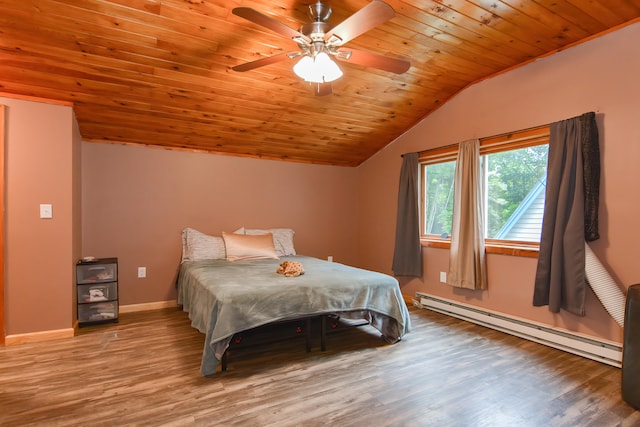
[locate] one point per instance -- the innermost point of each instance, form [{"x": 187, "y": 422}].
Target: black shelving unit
[{"x": 97, "y": 290}]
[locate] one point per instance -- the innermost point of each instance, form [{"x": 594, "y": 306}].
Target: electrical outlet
[
  {"x": 330, "y": 258},
  {"x": 46, "y": 211},
  {"x": 443, "y": 277},
  {"x": 142, "y": 272}
]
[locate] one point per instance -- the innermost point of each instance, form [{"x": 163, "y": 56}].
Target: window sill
[{"x": 521, "y": 249}]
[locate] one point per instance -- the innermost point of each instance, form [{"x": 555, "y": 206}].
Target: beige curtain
[{"x": 467, "y": 262}]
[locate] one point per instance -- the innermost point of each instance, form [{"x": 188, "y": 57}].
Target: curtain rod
[
  {"x": 457, "y": 144},
  {"x": 444, "y": 147}
]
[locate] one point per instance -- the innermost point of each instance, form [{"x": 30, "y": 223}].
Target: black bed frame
[{"x": 286, "y": 330}]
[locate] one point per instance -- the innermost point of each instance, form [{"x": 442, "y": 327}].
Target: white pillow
[
  {"x": 198, "y": 246},
  {"x": 282, "y": 239},
  {"x": 242, "y": 246}
]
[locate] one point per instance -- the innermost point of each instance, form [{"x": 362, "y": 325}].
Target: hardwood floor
[{"x": 446, "y": 372}]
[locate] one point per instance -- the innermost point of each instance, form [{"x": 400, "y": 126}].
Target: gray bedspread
[{"x": 223, "y": 298}]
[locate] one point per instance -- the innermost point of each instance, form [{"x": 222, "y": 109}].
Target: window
[
  {"x": 515, "y": 183},
  {"x": 514, "y": 172},
  {"x": 438, "y": 197}
]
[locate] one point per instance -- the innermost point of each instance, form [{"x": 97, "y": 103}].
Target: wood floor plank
[{"x": 144, "y": 370}]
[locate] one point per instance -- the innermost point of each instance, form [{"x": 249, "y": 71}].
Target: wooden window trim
[
  {"x": 492, "y": 246},
  {"x": 494, "y": 144}
]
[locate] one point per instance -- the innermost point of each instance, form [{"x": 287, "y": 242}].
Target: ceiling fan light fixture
[
  {"x": 330, "y": 70},
  {"x": 320, "y": 69},
  {"x": 305, "y": 69}
]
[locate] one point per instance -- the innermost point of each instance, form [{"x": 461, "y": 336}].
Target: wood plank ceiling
[{"x": 158, "y": 72}]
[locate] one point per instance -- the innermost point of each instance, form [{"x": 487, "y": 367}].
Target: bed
[{"x": 223, "y": 297}]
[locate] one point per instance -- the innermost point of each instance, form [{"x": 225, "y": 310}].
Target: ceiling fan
[{"x": 319, "y": 41}]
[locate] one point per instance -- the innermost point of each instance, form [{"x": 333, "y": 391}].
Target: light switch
[{"x": 46, "y": 211}]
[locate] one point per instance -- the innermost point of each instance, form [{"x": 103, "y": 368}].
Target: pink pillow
[{"x": 242, "y": 246}]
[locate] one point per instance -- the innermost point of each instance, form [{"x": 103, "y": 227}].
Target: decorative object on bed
[
  {"x": 243, "y": 246},
  {"x": 290, "y": 269},
  {"x": 282, "y": 239},
  {"x": 198, "y": 246},
  {"x": 224, "y": 298}
]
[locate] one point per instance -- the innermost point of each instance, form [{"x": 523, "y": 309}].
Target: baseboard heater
[{"x": 608, "y": 352}]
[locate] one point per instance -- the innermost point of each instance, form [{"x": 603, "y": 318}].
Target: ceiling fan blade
[
  {"x": 261, "y": 62},
  {"x": 322, "y": 89},
  {"x": 368, "y": 59},
  {"x": 370, "y": 16},
  {"x": 270, "y": 23}
]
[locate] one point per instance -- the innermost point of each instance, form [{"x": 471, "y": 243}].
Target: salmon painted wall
[
  {"x": 136, "y": 201},
  {"x": 601, "y": 76},
  {"x": 42, "y": 154}
]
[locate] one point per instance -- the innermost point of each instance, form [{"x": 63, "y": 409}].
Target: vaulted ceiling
[{"x": 158, "y": 72}]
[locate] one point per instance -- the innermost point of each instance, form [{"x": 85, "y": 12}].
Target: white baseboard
[
  {"x": 594, "y": 348},
  {"x": 32, "y": 337},
  {"x": 132, "y": 308}
]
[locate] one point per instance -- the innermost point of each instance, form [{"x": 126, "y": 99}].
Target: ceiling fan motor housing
[
  {"x": 318, "y": 27},
  {"x": 319, "y": 11},
  {"x": 316, "y": 30}
]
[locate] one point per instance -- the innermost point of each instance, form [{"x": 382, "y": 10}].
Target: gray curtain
[
  {"x": 407, "y": 256},
  {"x": 570, "y": 214},
  {"x": 467, "y": 263}
]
